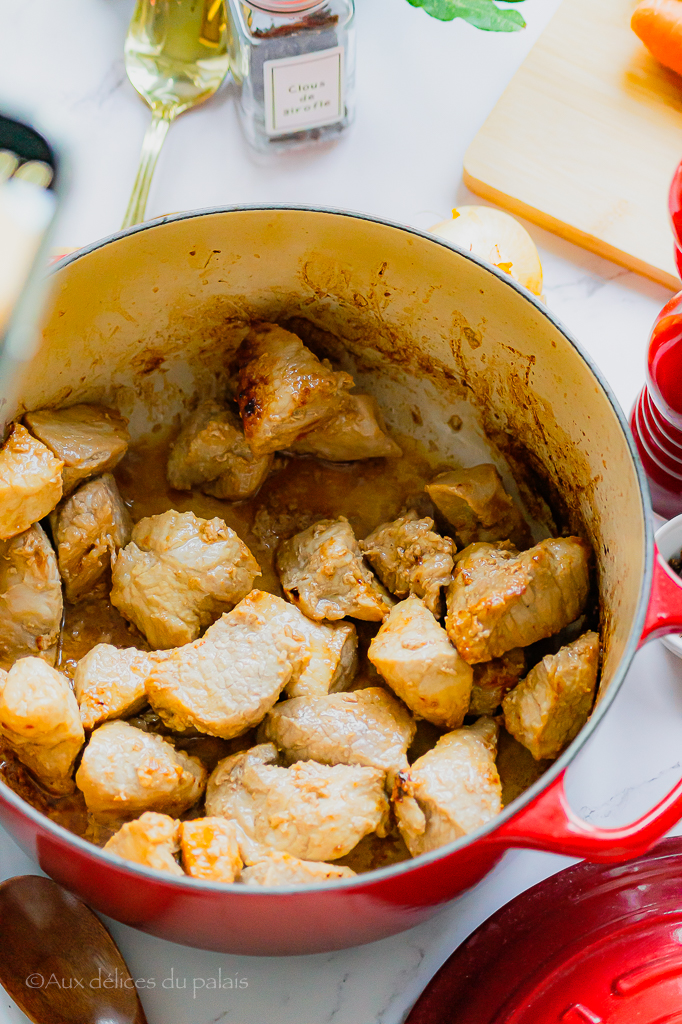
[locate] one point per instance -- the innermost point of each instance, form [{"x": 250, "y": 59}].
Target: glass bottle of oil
[
  {"x": 176, "y": 51},
  {"x": 176, "y": 56}
]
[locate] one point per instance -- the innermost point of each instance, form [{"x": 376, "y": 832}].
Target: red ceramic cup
[{"x": 656, "y": 419}]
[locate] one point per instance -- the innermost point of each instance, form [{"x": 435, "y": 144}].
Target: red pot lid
[{"x": 595, "y": 944}]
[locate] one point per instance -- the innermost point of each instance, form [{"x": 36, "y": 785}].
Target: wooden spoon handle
[{"x": 58, "y": 961}]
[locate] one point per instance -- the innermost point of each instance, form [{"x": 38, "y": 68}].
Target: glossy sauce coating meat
[
  {"x": 210, "y": 849},
  {"x": 476, "y": 505},
  {"x": 111, "y": 683},
  {"x": 125, "y": 771},
  {"x": 280, "y": 870},
  {"x": 151, "y": 840},
  {"x": 310, "y": 810},
  {"x": 225, "y": 794},
  {"x": 356, "y": 431},
  {"x": 332, "y": 662},
  {"x": 550, "y": 706},
  {"x": 493, "y": 679},
  {"x": 292, "y": 670}
]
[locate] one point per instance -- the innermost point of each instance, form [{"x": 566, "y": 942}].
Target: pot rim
[{"x": 424, "y": 860}]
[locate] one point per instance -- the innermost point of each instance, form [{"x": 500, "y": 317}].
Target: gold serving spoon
[{"x": 176, "y": 57}]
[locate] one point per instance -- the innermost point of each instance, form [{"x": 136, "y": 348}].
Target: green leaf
[{"x": 483, "y": 14}]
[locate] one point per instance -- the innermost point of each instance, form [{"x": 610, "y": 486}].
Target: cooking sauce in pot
[{"x": 298, "y": 492}]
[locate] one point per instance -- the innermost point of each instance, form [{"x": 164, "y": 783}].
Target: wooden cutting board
[{"x": 586, "y": 138}]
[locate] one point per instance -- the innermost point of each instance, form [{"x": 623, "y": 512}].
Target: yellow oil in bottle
[{"x": 176, "y": 51}]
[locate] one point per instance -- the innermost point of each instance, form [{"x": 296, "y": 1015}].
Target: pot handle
[
  {"x": 549, "y": 824},
  {"x": 664, "y": 614}
]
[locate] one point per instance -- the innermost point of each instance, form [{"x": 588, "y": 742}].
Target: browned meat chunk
[
  {"x": 413, "y": 654},
  {"x": 329, "y": 650},
  {"x": 151, "y": 840},
  {"x": 110, "y": 683},
  {"x": 322, "y": 572},
  {"x": 312, "y": 811},
  {"x": 493, "y": 679},
  {"x": 30, "y": 482},
  {"x": 39, "y": 720},
  {"x": 476, "y": 504},
  {"x": 125, "y": 771},
  {"x": 409, "y": 558},
  {"x": 329, "y": 656},
  {"x": 367, "y": 727},
  {"x": 451, "y": 790},
  {"x": 281, "y": 869},
  {"x": 211, "y": 453},
  {"x": 225, "y": 683},
  {"x": 178, "y": 574},
  {"x": 88, "y": 527},
  {"x": 226, "y": 796},
  {"x": 89, "y": 439},
  {"x": 30, "y": 598},
  {"x": 356, "y": 431},
  {"x": 550, "y": 706},
  {"x": 284, "y": 389},
  {"x": 210, "y": 849},
  {"x": 500, "y": 599}
]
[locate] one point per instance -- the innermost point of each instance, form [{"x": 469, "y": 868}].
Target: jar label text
[{"x": 304, "y": 91}]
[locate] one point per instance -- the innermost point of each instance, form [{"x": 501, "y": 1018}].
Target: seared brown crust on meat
[
  {"x": 284, "y": 390},
  {"x": 500, "y": 599},
  {"x": 550, "y": 706},
  {"x": 410, "y": 558}
]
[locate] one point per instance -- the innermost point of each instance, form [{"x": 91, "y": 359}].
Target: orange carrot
[{"x": 658, "y": 23}]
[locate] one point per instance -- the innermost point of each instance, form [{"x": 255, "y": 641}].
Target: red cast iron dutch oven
[{"x": 460, "y": 357}]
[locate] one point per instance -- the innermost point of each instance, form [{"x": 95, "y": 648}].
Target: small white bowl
[{"x": 669, "y": 541}]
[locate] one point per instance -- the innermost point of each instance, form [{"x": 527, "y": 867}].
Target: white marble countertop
[{"x": 424, "y": 89}]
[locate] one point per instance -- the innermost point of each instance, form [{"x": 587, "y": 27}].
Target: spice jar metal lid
[
  {"x": 284, "y": 6},
  {"x": 595, "y": 944}
]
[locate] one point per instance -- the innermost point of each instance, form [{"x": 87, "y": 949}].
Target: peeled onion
[{"x": 498, "y": 238}]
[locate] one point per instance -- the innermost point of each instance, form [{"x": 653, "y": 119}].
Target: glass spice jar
[{"x": 294, "y": 64}]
